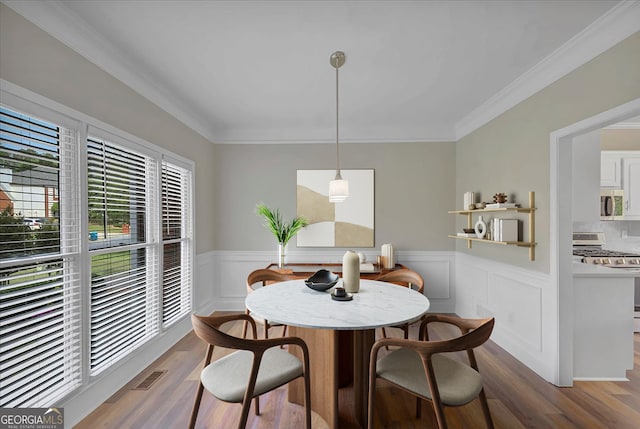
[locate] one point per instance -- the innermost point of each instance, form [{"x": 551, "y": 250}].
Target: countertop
[{"x": 589, "y": 270}]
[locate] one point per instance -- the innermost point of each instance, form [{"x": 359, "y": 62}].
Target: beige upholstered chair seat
[
  {"x": 458, "y": 383},
  {"x": 226, "y": 378},
  {"x": 426, "y": 370},
  {"x": 254, "y": 368}
]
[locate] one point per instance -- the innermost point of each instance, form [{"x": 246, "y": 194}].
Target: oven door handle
[{"x": 607, "y": 205}]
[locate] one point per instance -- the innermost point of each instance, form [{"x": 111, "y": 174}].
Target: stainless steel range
[{"x": 588, "y": 248}]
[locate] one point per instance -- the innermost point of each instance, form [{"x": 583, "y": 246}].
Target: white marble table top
[{"x": 377, "y": 304}]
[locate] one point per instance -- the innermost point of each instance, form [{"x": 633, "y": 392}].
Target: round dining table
[{"x": 317, "y": 318}]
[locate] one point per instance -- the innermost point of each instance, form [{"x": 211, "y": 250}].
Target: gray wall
[
  {"x": 31, "y": 58},
  {"x": 414, "y": 188},
  {"x": 620, "y": 139},
  {"x": 511, "y": 153}
]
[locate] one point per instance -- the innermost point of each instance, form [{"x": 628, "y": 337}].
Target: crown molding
[
  {"x": 432, "y": 133},
  {"x": 61, "y": 23},
  {"x": 617, "y": 24}
]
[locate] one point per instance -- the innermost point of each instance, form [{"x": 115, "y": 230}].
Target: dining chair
[
  {"x": 420, "y": 368},
  {"x": 403, "y": 277},
  {"x": 260, "y": 278},
  {"x": 256, "y": 367}
]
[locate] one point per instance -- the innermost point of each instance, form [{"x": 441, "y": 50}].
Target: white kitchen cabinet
[
  {"x": 610, "y": 169},
  {"x": 631, "y": 186},
  {"x": 603, "y": 323}
]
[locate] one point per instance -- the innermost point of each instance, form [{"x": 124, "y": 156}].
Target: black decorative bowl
[{"x": 322, "y": 280}]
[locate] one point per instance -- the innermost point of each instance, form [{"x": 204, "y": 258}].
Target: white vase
[
  {"x": 351, "y": 272},
  {"x": 480, "y": 228},
  {"x": 281, "y": 255}
]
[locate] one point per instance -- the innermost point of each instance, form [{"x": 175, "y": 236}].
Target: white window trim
[{"x": 37, "y": 105}]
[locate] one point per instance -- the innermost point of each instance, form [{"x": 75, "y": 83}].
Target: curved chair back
[
  {"x": 404, "y": 277},
  {"x": 265, "y": 276},
  {"x": 420, "y": 368}
]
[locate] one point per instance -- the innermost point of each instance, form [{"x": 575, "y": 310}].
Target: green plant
[{"x": 281, "y": 229}]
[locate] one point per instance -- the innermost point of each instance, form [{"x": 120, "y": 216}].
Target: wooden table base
[{"x": 329, "y": 353}]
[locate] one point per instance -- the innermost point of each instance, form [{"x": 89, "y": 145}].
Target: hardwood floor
[{"x": 518, "y": 398}]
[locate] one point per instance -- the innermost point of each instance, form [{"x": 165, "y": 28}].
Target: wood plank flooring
[{"x": 518, "y": 398}]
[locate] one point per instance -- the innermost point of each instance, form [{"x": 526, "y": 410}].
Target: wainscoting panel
[
  {"x": 437, "y": 270},
  {"x": 516, "y": 297},
  {"x": 519, "y": 304},
  {"x": 232, "y": 267},
  {"x": 204, "y": 283},
  {"x": 454, "y": 283}
]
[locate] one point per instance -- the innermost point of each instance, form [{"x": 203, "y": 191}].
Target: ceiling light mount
[
  {"x": 337, "y": 59},
  {"x": 338, "y": 188}
]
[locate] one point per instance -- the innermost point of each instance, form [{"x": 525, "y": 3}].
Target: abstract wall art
[{"x": 346, "y": 224}]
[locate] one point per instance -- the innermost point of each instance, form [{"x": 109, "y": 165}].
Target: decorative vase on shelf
[
  {"x": 281, "y": 255},
  {"x": 351, "y": 272},
  {"x": 480, "y": 228}
]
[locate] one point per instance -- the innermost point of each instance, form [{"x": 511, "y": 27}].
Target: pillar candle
[{"x": 388, "y": 258}]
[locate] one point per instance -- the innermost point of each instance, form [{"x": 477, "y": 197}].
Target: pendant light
[{"x": 338, "y": 187}]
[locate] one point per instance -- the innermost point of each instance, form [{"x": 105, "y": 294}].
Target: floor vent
[{"x": 150, "y": 380}]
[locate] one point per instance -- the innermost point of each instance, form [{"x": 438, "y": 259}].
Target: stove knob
[{"x": 596, "y": 261}]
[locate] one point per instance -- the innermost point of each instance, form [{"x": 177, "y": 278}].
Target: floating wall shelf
[{"x": 531, "y": 211}]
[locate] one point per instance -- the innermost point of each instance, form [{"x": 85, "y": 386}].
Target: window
[
  {"x": 124, "y": 261},
  {"x": 176, "y": 233},
  {"x": 39, "y": 273},
  {"x": 122, "y": 227}
]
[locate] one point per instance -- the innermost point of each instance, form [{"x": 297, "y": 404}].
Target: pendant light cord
[{"x": 338, "y": 176}]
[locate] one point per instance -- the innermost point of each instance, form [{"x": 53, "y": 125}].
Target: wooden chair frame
[
  {"x": 407, "y": 278},
  {"x": 208, "y": 329},
  {"x": 264, "y": 275},
  {"x": 474, "y": 332}
]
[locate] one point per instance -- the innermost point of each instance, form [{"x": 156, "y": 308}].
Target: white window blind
[
  {"x": 177, "y": 242},
  {"x": 122, "y": 216},
  {"x": 40, "y": 335},
  {"x": 93, "y": 230}
]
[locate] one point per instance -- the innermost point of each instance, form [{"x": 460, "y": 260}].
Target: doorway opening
[{"x": 561, "y": 227}]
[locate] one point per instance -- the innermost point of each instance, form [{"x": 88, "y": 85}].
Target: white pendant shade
[{"x": 338, "y": 190}]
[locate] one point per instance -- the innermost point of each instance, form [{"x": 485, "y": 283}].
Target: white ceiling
[{"x": 258, "y": 71}]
